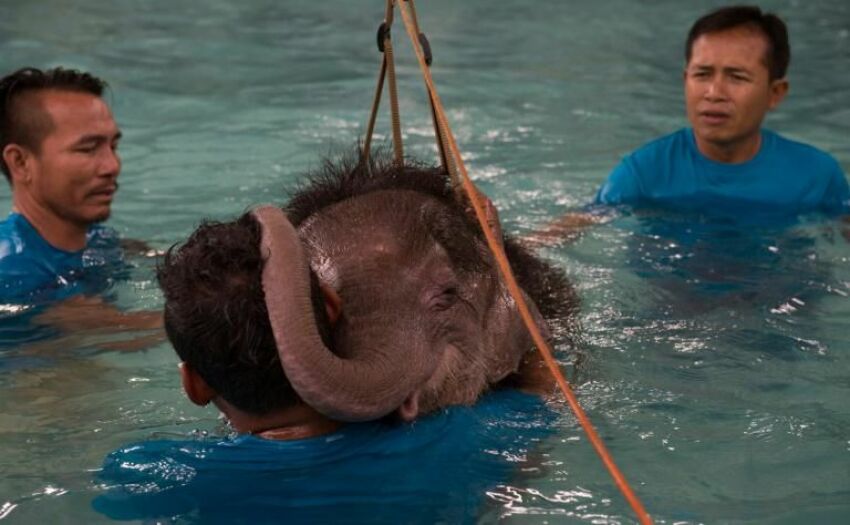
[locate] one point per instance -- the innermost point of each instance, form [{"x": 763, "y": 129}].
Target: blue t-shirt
[
  {"x": 785, "y": 177},
  {"x": 33, "y": 271},
  {"x": 435, "y": 470}
]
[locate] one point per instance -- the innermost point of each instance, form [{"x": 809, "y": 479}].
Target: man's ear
[
  {"x": 778, "y": 90},
  {"x": 197, "y": 390},
  {"x": 17, "y": 159},
  {"x": 333, "y": 302}
]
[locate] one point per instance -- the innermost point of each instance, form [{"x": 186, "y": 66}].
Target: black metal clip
[
  {"x": 383, "y": 34},
  {"x": 426, "y": 48}
]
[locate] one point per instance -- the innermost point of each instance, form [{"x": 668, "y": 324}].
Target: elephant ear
[{"x": 376, "y": 378}]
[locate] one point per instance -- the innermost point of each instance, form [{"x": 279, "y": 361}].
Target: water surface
[{"x": 716, "y": 355}]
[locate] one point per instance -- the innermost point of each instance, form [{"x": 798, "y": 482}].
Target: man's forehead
[
  {"x": 73, "y": 110},
  {"x": 742, "y": 47},
  {"x": 59, "y": 103}
]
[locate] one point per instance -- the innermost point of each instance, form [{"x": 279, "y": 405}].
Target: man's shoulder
[
  {"x": 101, "y": 235},
  {"x": 659, "y": 156},
  {"x": 675, "y": 140},
  {"x": 12, "y": 238},
  {"x": 794, "y": 151},
  {"x": 21, "y": 270},
  {"x": 640, "y": 172},
  {"x": 10, "y": 224}
]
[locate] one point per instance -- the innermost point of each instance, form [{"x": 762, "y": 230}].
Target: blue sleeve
[
  {"x": 836, "y": 199},
  {"x": 15, "y": 273},
  {"x": 622, "y": 186}
]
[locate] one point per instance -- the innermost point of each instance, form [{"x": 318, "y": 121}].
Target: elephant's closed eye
[{"x": 447, "y": 298}]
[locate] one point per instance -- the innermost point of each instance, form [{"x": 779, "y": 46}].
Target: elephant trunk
[{"x": 371, "y": 381}]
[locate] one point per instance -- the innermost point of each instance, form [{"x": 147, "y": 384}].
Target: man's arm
[
  {"x": 563, "y": 230},
  {"x": 566, "y": 228},
  {"x": 533, "y": 376},
  {"x": 138, "y": 248},
  {"x": 102, "y": 324},
  {"x": 837, "y": 197},
  {"x": 93, "y": 313},
  {"x": 622, "y": 186}
]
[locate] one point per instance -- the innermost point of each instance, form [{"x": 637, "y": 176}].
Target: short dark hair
[
  {"x": 770, "y": 25},
  {"x": 216, "y": 316},
  {"x": 25, "y": 124}
]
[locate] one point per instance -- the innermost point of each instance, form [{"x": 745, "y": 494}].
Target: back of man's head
[
  {"x": 768, "y": 24},
  {"x": 216, "y": 316},
  {"x": 23, "y": 121}
]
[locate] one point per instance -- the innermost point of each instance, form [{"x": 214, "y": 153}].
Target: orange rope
[{"x": 513, "y": 287}]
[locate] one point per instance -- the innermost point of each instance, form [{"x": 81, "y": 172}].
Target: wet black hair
[
  {"x": 456, "y": 230},
  {"x": 216, "y": 316},
  {"x": 771, "y": 26},
  {"x": 26, "y": 123}
]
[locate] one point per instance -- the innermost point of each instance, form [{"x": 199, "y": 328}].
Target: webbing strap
[
  {"x": 376, "y": 101},
  {"x": 439, "y": 134},
  {"x": 388, "y": 72},
  {"x": 504, "y": 267},
  {"x": 398, "y": 147}
]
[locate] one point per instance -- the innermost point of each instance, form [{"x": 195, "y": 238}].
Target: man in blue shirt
[
  {"x": 736, "y": 61},
  {"x": 58, "y": 141},
  {"x": 217, "y": 319},
  {"x": 454, "y": 466},
  {"x": 290, "y": 462}
]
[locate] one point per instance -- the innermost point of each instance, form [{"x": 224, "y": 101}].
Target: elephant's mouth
[{"x": 457, "y": 379}]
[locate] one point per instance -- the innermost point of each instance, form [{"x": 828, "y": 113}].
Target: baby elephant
[{"x": 372, "y": 292}]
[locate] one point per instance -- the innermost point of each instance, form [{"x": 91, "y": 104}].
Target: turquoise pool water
[{"x": 717, "y": 358}]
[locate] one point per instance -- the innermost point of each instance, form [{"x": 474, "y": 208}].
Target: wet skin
[
  {"x": 68, "y": 182},
  {"x": 728, "y": 92}
]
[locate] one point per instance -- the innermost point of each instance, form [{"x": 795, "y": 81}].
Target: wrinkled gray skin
[{"x": 416, "y": 331}]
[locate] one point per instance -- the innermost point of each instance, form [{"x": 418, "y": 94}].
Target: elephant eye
[{"x": 445, "y": 299}]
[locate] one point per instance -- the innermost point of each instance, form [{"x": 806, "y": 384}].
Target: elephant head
[{"x": 426, "y": 321}]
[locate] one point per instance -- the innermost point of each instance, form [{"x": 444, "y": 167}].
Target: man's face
[
  {"x": 75, "y": 170},
  {"x": 728, "y": 90}
]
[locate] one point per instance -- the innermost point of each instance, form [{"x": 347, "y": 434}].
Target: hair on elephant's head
[{"x": 419, "y": 315}]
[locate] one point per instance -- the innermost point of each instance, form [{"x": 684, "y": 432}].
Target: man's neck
[
  {"x": 59, "y": 233},
  {"x": 732, "y": 153},
  {"x": 298, "y": 422}
]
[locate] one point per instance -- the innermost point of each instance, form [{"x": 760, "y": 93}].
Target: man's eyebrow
[{"x": 97, "y": 138}]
